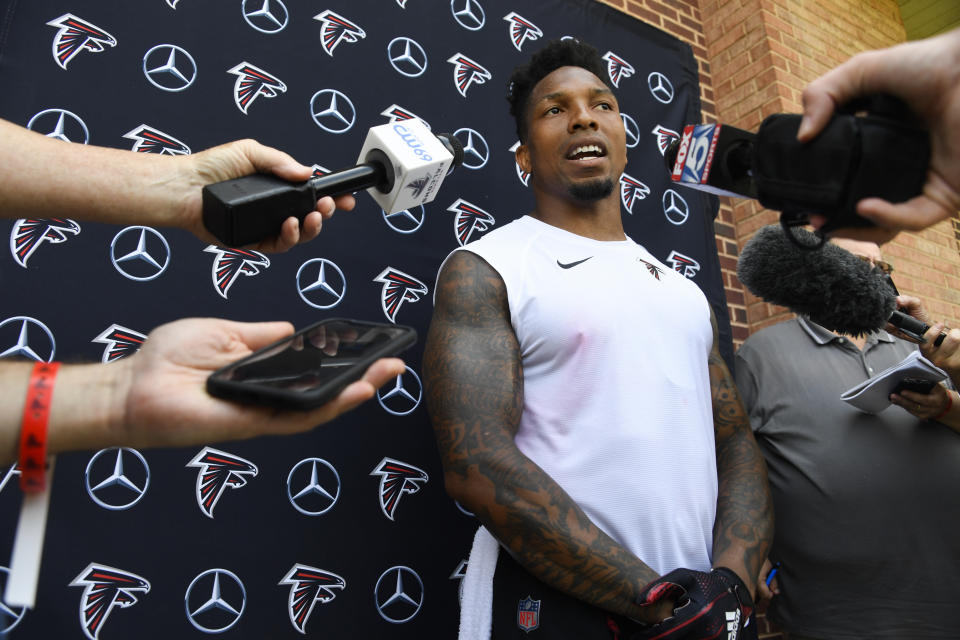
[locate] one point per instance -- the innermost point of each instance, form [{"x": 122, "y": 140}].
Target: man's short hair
[{"x": 556, "y": 54}]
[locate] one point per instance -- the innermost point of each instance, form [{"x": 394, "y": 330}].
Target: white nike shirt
[{"x": 617, "y": 405}]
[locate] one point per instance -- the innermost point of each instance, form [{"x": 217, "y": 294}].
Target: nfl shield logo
[{"x": 528, "y": 614}]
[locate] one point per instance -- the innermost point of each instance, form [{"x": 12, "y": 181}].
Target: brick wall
[{"x": 755, "y": 57}]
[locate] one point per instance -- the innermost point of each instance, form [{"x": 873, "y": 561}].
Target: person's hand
[
  {"x": 244, "y": 157},
  {"x": 764, "y": 592},
  {"x": 925, "y": 75},
  {"x": 165, "y": 402},
  {"x": 943, "y": 352},
  {"x": 925, "y": 406}
]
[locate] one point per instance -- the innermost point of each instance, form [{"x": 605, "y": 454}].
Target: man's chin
[{"x": 593, "y": 190}]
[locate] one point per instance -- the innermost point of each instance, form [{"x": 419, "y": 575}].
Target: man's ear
[{"x": 522, "y": 155}]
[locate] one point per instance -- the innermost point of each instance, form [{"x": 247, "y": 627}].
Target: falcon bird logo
[
  {"x": 308, "y": 586},
  {"x": 337, "y": 29},
  {"x": 398, "y": 287},
  {"x": 654, "y": 270},
  {"x": 418, "y": 185},
  {"x": 103, "y": 589},
  {"x": 76, "y": 35},
  {"x": 664, "y": 137},
  {"x": 684, "y": 265},
  {"x": 632, "y": 190},
  {"x": 230, "y": 264},
  {"x": 618, "y": 68},
  {"x": 396, "y": 113},
  {"x": 396, "y": 479},
  {"x": 149, "y": 140},
  {"x": 521, "y": 29},
  {"x": 120, "y": 341},
  {"x": 251, "y": 83},
  {"x": 469, "y": 218},
  {"x": 523, "y": 175},
  {"x": 219, "y": 471},
  {"x": 29, "y": 233},
  {"x": 467, "y": 72},
  {"x": 172, "y": 3}
]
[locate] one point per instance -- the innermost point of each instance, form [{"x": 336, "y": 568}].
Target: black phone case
[{"x": 249, "y": 393}]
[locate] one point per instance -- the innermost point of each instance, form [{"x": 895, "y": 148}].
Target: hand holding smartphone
[{"x": 310, "y": 367}]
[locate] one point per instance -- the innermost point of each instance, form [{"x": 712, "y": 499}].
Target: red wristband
[
  {"x": 945, "y": 409},
  {"x": 33, "y": 432}
]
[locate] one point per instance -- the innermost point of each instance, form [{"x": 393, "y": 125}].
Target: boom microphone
[
  {"x": 401, "y": 165},
  {"x": 832, "y": 287},
  {"x": 876, "y": 152}
]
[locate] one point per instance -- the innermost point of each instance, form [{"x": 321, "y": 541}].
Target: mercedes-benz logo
[
  {"x": 463, "y": 509},
  {"x": 407, "y": 57},
  {"x": 169, "y": 67},
  {"x": 313, "y": 486},
  {"x": 660, "y": 87},
  {"x": 631, "y": 129},
  {"x": 28, "y": 337},
  {"x": 406, "y": 221},
  {"x": 140, "y": 253},
  {"x": 11, "y": 471},
  {"x": 117, "y": 478},
  {"x": 215, "y": 600},
  {"x": 266, "y": 16},
  {"x": 468, "y": 13},
  {"x": 398, "y": 594},
  {"x": 675, "y": 207},
  {"x": 61, "y": 125},
  {"x": 475, "y": 149},
  {"x": 321, "y": 283},
  {"x": 332, "y": 111},
  {"x": 10, "y": 615},
  {"x": 403, "y": 396}
]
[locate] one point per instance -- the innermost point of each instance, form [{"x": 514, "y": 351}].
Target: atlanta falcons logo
[
  {"x": 523, "y": 175},
  {"x": 74, "y": 36},
  {"x": 654, "y": 270},
  {"x": 29, "y": 233},
  {"x": 418, "y": 185},
  {"x": 337, "y": 29},
  {"x": 251, "y": 83},
  {"x": 684, "y": 265},
  {"x": 120, "y": 341},
  {"x": 617, "y": 67},
  {"x": 469, "y": 218},
  {"x": 396, "y": 479},
  {"x": 173, "y": 3},
  {"x": 398, "y": 287},
  {"x": 466, "y": 72},
  {"x": 308, "y": 586},
  {"x": 149, "y": 140},
  {"x": 219, "y": 470},
  {"x": 521, "y": 29},
  {"x": 396, "y": 113},
  {"x": 632, "y": 190},
  {"x": 103, "y": 589},
  {"x": 664, "y": 137},
  {"x": 230, "y": 264}
]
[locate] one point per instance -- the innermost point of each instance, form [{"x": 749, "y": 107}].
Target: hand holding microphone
[{"x": 401, "y": 165}]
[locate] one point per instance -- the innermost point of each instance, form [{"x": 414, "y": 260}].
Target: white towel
[{"x": 476, "y": 593}]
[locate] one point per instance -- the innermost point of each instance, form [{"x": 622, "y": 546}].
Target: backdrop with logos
[{"x": 344, "y": 531}]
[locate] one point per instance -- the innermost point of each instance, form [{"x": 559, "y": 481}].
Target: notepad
[{"x": 873, "y": 395}]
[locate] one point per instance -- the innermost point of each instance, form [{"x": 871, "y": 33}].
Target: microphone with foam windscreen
[
  {"x": 832, "y": 287},
  {"x": 401, "y": 165}
]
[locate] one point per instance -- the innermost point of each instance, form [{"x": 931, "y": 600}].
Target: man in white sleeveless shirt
[{"x": 600, "y": 445}]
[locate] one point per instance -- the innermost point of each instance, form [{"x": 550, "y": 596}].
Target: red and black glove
[{"x": 706, "y": 605}]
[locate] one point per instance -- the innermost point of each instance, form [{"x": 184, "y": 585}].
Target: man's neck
[{"x": 599, "y": 220}]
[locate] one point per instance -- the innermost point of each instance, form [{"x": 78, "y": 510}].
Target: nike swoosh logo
[{"x": 570, "y": 265}]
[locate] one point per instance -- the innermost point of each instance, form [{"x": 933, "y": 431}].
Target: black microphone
[
  {"x": 832, "y": 287},
  {"x": 401, "y": 165},
  {"x": 874, "y": 148}
]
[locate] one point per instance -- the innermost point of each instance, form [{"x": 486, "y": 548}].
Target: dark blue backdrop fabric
[{"x": 345, "y": 531}]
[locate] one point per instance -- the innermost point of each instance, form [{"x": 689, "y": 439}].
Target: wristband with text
[{"x": 33, "y": 434}]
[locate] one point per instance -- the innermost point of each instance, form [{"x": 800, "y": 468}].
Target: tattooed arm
[
  {"x": 743, "y": 529},
  {"x": 474, "y": 383}
]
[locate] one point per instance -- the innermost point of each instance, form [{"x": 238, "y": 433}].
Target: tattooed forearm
[
  {"x": 743, "y": 529},
  {"x": 474, "y": 384}
]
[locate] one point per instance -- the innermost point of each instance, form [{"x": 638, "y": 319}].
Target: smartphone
[
  {"x": 310, "y": 367},
  {"x": 920, "y": 385}
]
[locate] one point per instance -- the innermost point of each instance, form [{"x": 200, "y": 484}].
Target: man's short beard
[{"x": 592, "y": 191}]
